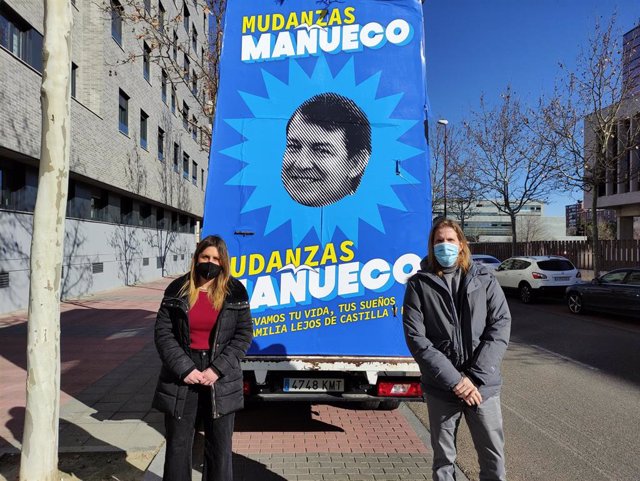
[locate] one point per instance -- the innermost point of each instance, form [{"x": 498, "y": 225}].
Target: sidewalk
[{"x": 109, "y": 371}]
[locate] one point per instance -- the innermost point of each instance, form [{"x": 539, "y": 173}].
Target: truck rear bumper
[{"x": 328, "y": 397}]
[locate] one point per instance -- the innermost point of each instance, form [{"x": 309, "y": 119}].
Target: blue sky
[{"x": 476, "y": 47}]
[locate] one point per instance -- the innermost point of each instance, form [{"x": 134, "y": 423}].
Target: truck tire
[{"x": 388, "y": 405}]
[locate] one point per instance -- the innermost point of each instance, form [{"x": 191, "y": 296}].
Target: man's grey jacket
[{"x": 448, "y": 343}]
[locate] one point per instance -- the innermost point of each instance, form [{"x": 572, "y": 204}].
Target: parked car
[
  {"x": 488, "y": 261},
  {"x": 616, "y": 291},
  {"x": 536, "y": 275}
]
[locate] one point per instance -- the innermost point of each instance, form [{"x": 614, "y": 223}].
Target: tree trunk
[
  {"x": 514, "y": 238},
  {"x": 595, "y": 241},
  {"x": 39, "y": 458}
]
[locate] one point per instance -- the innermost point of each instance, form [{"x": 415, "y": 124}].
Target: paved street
[
  {"x": 109, "y": 371},
  {"x": 571, "y": 400}
]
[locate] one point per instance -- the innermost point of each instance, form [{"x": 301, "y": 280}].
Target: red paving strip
[
  {"x": 97, "y": 335},
  {"x": 331, "y": 429}
]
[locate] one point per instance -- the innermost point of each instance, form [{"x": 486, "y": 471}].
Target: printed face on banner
[
  {"x": 318, "y": 176},
  {"x": 328, "y": 147}
]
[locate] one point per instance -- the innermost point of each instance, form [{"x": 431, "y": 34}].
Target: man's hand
[
  {"x": 209, "y": 377},
  {"x": 464, "y": 388},
  {"x": 474, "y": 399},
  {"x": 194, "y": 377}
]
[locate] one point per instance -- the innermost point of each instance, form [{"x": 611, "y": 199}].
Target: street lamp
[{"x": 445, "y": 122}]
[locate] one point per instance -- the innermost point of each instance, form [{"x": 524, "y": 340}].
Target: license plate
[
  {"x": 313, "y": 385},
  {"x": 564, "y": 278}
]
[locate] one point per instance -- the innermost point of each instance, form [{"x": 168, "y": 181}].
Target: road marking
[{"x": 565, "y": 358}]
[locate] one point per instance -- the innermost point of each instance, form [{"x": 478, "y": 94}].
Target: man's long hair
[
  {"x": 464, "y": 257},
  {"x": 219, "y": 288}
]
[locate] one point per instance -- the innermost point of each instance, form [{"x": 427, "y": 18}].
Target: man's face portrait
[{"x": 321, "y": 162}]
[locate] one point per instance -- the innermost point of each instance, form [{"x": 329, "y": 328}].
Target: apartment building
[{"x": 139, "y": 145}]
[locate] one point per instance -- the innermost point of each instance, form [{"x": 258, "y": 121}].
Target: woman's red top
[{"x": 202, "y": 319}]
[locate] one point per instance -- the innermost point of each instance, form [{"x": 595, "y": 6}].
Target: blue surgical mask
[{"x": 446, "y": 253}]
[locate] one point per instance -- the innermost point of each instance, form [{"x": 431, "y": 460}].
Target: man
[
  {"x": 457, "y": 325},
  {"x": 328, "y": 148}
]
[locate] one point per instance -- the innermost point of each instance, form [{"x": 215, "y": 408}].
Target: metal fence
[{"x": 615, "y": 253}]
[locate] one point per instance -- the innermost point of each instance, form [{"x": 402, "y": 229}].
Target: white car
[
  {"x": 534, "y": 275},
  {"x": 488, "y": 261}
]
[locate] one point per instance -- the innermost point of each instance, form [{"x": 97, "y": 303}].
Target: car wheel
[
  {"x": 526, "y": 293},
  {"x": 574, "y": 301}
]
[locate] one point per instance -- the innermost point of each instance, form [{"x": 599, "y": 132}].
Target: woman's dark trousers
[{"x": 217, "y": 432}]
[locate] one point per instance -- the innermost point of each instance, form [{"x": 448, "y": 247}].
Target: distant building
[
  {"x": 631, "y": 58},
  {"x": 486, "y": 220},
  {"x": 578, "y": 218},
  {"x": 620, "y": 190},
  {"x": 138, "y": 158}
]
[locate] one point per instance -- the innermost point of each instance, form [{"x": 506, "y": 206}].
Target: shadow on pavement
[{"x": 281, "y": 417}]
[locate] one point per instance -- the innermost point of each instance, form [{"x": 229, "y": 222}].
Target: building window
[
  {"x": 147, "y": 6},
  {"x": 160, "y": 224},
  {"x": 186, "y": 17},
  {"x": 98, "y": 205},
  {"x": 144, "y": 120},
  {"x": 164, "y": 86},
  {"x": 116, "y": 21},
  {"x": 202, "y": 179},
  {"x": 74, "y": 79},
  {"x": 194, "y": 173},
  {"x": 194, "y": 41},
  {"x": 126, "y": 210},
  {"x": 187, "y": 67},
  {"x": 194, "y": 84},
  {"x": 175, "y": 46},
  {"x": 146, "y": 61},
  {"x": 176, "y": 156},
  {"x": 19, "y": 38},
  {"x": 194, "y": 128},
  {"x": 161, "y": 13},
  {"x": 173, "y": 99},
  {"x": 185, "y": 165},
  {"x": 185, "y": 115},
  {"x": 160, "y": 144},
  {"x": 123, "y": 115},
  {"x": 202, "y": 55}
]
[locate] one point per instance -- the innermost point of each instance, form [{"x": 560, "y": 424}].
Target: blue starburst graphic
[{"x": 264, "y": 142}]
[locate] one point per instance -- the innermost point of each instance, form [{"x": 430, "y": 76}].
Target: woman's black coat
[{"x": 230, "y": 341}]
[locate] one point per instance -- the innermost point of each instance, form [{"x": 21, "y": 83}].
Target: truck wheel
[
  {"x": 369, "y": 405},
  {"x": 388, "y": 405}
]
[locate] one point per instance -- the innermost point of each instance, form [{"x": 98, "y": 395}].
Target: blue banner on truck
[{"x": 319, "y": 172}]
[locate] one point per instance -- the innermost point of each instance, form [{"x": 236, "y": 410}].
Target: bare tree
[
  {"x": 441, "y": 145},
  {"x": 593, "y": 121},
  {"x": 513, "y": 164},
  {"x": 531, "y": 228},
  {"x": 465, "y": 190},
  {"x": 158, "y": 31},
  {"x": 174, "y": 193},
  {"x": 39, "y": 458}
]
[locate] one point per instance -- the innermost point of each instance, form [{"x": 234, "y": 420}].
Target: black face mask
[{"x": 208, "y": 270}]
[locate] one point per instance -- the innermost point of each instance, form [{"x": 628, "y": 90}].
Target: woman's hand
[
  {"x": 209, "y": 377},
  {"x": 194, "y": 377}
]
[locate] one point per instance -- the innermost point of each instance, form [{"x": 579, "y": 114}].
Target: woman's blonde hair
[
  {"x": 464, "y": 257},
  {"x": 219, "y": 288}
]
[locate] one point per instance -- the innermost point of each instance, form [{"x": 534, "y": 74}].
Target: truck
[{"x": 319, "y": 183}]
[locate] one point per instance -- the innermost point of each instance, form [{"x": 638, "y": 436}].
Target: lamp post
[{"x": 445, "y": 122}]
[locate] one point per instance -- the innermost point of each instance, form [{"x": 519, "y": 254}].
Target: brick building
[{"x": 139, "y": 148}]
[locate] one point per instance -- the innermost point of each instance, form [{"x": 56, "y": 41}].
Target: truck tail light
[
  {"x": 399, "y": 389},
  {"x": 538, "y": 275},
  {"x": 246, "y": 387}
]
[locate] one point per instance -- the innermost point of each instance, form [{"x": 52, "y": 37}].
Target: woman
[
  {"x": 457, "y": 324},
  {"x": 203, "y": 331}
]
